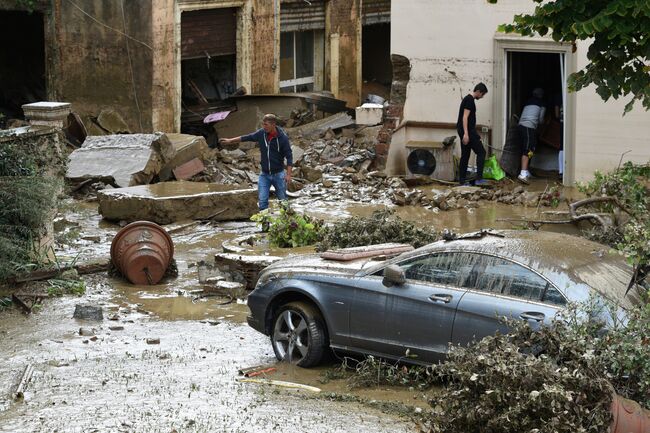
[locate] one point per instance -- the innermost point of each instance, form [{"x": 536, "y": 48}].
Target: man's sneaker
[
  {"x": 524, "y": 179},
  {"x": 481, "y": 182}
]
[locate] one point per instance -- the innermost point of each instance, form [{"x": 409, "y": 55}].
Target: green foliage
[
  {"x": 288, "y": 229},
  {"x": 556, "y": 379},
  {"x": 373, "y": 371},
  {"x": 630, "y": 184},
  {"x": 60, "y": 287},
  {"x": 619, "y": 50},
  {"x": 383, "y": 226},
  {"x": 551, "y": 196},
  {"x": 26, "y": 203}
]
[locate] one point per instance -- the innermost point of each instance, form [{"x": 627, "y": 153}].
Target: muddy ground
[{"x": 116, "y": 381}]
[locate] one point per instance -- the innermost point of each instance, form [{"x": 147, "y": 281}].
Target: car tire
[{"x": 299, "y": 335}]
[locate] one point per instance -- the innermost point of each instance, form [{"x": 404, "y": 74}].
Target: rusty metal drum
[
  {"x": 142, "y": 251},
  {"x": 628, "y": 416}
]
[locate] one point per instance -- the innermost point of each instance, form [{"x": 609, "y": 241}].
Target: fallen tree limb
[{"x": 81, "y": 268}]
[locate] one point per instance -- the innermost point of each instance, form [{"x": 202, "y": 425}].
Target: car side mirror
[{"x": 393, "y": 276}]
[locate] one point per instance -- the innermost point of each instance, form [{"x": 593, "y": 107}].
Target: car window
[
  {"x": 504, "y": 277},
  {"x": 450, "y": 269},
  {"x": 553, "y": 296}
]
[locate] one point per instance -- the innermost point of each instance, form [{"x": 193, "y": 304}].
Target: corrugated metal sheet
[
  {"x": 300, "y": 15},
  {"x": 212, "y": 31},
  {"x": 375, "y": 11}
]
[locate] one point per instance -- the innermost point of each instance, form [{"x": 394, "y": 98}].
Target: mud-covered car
[{"x": 421, "y": 301}]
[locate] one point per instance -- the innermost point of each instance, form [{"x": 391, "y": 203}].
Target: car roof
[{"x": 567, "y": 261}]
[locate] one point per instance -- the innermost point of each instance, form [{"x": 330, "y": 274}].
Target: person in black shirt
[{"x": 469, "y": 138}]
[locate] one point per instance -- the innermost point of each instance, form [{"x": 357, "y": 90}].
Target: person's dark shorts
[{"x": 527, "y": 139}]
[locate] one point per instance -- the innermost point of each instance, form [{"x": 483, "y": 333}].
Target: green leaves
[
  {"x": 289, "y": 229},
  {"x": 617, "y": 31}
]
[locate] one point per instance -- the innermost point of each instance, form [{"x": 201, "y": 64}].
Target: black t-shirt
[{"x": 469, "y": 104}]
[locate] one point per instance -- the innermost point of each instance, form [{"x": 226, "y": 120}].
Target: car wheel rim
[{"x": 290, "y": 336}]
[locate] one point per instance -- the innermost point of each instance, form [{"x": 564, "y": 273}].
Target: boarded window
[
  {"x": 375, "y": 12},
  {"x": 210, "y": 32},
  {"x": 299, "y": 15}
]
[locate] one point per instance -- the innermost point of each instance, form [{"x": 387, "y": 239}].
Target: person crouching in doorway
[
  {"x": 469, "y": 138},
  {"x": 275, "y": 148},
  {"x": 531, "y": 117}
]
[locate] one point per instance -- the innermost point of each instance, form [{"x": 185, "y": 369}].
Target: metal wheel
[{"x": 298, "y": 335}]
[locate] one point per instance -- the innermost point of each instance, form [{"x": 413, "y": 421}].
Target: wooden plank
[{"x": 347, "y": 254}]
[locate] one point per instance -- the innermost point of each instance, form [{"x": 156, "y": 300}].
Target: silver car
[{"x": 421, "y": 301}]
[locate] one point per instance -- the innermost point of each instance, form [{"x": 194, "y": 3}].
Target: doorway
[
  {"x": 376, "y": 66},
  {"x": 22, "y": 63},
  {"x": 526, "y": 71},
  {"x": 509, "y": 70},
  {"x": 208, "y": 67}
]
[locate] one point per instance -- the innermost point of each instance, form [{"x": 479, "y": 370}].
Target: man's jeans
[{"x": 264, "y": 186}]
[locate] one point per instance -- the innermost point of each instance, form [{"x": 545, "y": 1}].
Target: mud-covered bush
[
  {"x": 288, "y": 228},
  {"x": 556, "y": 379},
  {"x": 630, "y": 184},
  {"x": 381, "y": 227}
]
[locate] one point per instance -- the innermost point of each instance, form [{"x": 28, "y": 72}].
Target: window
[
  {"x": 553, "y": 296},
  {"x": 297, "y": 61},
  {"x": 504, "y": 277},
  {"x": 449, "y": 269}
]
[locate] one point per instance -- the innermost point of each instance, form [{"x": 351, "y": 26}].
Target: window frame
[{"x": 294, "y": 82}]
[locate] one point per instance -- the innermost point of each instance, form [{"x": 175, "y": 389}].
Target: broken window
[{"x": 297, "y": 61}]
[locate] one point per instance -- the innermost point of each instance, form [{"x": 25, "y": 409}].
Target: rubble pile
[{"x": 467, "y": 196}]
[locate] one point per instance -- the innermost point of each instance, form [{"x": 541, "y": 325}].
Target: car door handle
[
  {"x": 441, "y": 298},
  {"x": 532, "y": 315}
]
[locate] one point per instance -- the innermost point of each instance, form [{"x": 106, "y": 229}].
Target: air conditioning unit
[{"x": 430, "y": 158}]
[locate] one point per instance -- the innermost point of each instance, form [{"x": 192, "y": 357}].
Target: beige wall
[{"x": 451, "y": 47}]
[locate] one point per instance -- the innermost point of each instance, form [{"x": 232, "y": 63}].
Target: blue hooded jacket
[{"x": 273, "y": 152}]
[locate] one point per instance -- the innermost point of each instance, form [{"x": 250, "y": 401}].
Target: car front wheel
[{"x": 299, "y": 335}]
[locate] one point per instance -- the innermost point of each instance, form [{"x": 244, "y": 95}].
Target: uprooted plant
[
  {"x": 288, "y": 228},
  {"x": 559, "y": 378},
  {"x": 381, "y": 227}
]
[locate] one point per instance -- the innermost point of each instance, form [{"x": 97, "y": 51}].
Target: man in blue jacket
[{"x": 275, "y": 148}]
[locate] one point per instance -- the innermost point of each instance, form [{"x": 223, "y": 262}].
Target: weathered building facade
[
  {"x": 451, "y": 46},
  {"x": 151, "y": 60}
]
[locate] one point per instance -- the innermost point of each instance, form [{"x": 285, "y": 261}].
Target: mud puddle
[{"x": 116, "y": 381}]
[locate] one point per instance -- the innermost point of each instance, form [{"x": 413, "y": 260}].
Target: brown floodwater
[{"x": 187, "y": 382}]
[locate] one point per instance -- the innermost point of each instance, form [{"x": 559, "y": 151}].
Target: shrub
[
  {"x": 383, "y": 226},
  {"x": 555, "y": 379},
  {"x": 288, "y": 229}
]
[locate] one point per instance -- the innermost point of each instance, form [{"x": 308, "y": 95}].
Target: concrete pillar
[
  {"x": 265, "y": 46},
  {"x": 343, "y": 18}
]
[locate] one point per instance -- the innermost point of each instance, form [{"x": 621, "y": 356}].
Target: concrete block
[
  {"x": 185, "y": 148},
  {"x": 189, "y": 169},
  {"x": 167, "y": 202},
  {"x": 369, "y": 114},
  {"x": 128, "y": 159},
  {"x": 47, "y": 113}
]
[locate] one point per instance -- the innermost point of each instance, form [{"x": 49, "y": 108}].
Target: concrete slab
[
  {"x": 130, "y": 160},
  {"x": 167, "y": 202},
  {"x": 185, "y": 147}
]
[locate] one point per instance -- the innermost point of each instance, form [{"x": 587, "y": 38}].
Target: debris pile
[{"x": 469, "y": 197}]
